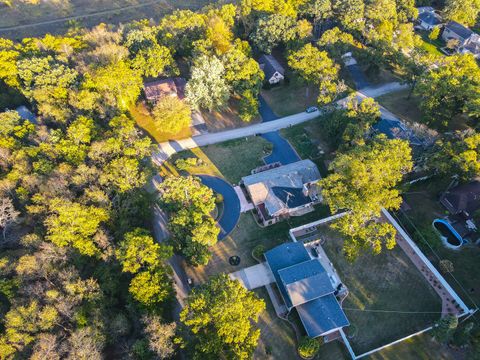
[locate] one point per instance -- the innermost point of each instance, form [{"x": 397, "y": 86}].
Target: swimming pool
[{"x": 450, "y": 237}]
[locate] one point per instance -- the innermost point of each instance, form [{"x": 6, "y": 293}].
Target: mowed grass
[
  {"x": 145, "y": 121},
  {"x": 401, "y": 105},
  {"x": 288, "y": 99},
  {"x": 387, "y": 282}
]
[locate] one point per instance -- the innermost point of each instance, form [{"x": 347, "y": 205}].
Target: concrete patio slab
[{"x": 254, "y": 276}]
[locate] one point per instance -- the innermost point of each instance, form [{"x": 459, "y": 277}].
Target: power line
[
  {"x": 393, "y": 311},
  {"x": 433, "y": 251}
]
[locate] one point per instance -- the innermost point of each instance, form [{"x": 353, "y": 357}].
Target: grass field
[
  {"x": 405, "y": 108},
  {"x": 389, "y": 282},
  {"x": 56, "y": 16}
]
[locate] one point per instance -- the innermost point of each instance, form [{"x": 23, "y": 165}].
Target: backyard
[{"x": 388, "y": 282}]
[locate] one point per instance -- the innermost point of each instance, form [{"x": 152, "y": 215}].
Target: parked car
[
  {"x": 311, "y": 109},
  {"x": 314, "y": 252}
]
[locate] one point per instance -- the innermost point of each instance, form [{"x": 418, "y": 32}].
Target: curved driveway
[{"x": 231, "y": 203}]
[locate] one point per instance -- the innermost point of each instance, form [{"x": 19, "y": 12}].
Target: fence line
[
  {"x": 347, "y": 344},
  {"x": 315, "y": 223}
]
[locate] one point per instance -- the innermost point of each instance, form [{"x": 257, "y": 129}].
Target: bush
[
  {"x": 446, "y": 266},
  {"x": 258, "y": 251},
  {"x": 218, "y": 198},
  {"x": 308, "y": 347},
  {"x": 184, "y": 164}
]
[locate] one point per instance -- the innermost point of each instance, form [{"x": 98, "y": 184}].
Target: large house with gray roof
[
  {"x": 305, "y": 286},
  {"x": 281, "y": 192},
  {"x": 468, "y": 42}
]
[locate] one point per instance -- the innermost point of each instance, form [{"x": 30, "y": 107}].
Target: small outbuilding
[{"x": 274, "y": 72}]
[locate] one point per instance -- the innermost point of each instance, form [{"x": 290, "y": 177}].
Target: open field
[
  {"x": 27, "y": 20},
  {"x": 388, "y": 282},
  {"x": 144, "y": 120},
  {"x": 405, "y": 108},
  {"x": 226, "y": 119}
]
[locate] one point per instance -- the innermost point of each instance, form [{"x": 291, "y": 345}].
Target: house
[
  {"x": 462, "y": 202},
  {"x": 274, "y": 72},
  {"x": 166, "y": 87},
  {"x": 395, "y": 129},
  {"x": 305, "y": 285},
  {"x": 425, "y": 9},
  {"x": 284, "y": 191},
  {"x": 428, "y": 20},
  {"x": 456, "y": 31},
  {"x": 471, "y": 46}
]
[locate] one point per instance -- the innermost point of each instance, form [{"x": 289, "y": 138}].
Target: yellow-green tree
[
  {"x": 220, "y": 314},
  {"x": 171, "y": 114},
  {"x": 363, "y": 181}
]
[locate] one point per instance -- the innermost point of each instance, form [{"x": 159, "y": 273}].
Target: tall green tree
[
  {"x": 207, "y": 87},
  {"x": 221, "y": 315},
  {"x": 350, "y": 14},
  {"x": 363, "y": 181},
  {"x": 463, "y": 11},
  {"x": 171, "y": 114},
  {"x": 273, "y": 30},
  {"x": 449, "y": 89}
]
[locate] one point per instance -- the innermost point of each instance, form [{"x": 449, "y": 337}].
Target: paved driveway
[
  {"x": 231, "y": 203},
  {"x": 254, "y": 276},
  {"x": 358, "y": 76}
]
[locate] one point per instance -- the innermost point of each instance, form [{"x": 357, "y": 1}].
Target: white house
[{"x": 468, "y": 41}]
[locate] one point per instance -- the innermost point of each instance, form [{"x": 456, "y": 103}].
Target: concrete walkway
[
  {"x": 166, "y": 149},
  {"x": 254, "y": 276},
  {"x": 244, "y": 204}
]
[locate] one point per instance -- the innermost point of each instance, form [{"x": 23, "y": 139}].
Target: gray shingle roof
[
  {"x": 281, "y": 188},
  {"x": 270, "y": 66},
  {"x": 459, "y": 29},
  {"x": 305, "y": 285},
  {"x": 305, "y": 281},
  {"x": 430, "y": 18},
  {"x": 322, "y": 315}
]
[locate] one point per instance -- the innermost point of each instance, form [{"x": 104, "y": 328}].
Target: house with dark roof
[
  {"x": 284, "y": 191},
  {"x": 305, "y": 286},
  {"x": 455, "y": 31},
  {"x": 428, "y": 20},
  {"x": 462, "y": 202},
  {"x": 166, "y": 87},
  {"x": 26, "y": 114},
  {"x": 274, "y": 72},
  {"x": 395, "y": 129}
]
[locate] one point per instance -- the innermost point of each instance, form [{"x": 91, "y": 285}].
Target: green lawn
[
  {"x": 432, "y": 46},
  {"x": 287, "y": 99},
  {"x": 405, "y": 108},
  {"x": 388, "y": 281}
]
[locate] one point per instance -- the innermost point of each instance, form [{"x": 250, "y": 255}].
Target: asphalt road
[
  {"x": 231, "y": 204},
  {"x": 166, "y": 149}
]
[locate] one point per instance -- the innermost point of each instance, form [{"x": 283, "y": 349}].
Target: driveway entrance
[{"x": 254, "y": 276}]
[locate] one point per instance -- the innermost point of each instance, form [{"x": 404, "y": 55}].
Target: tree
[
  {"x": 8, "y": 215},
  {"x": 171, "y": 114},
  {"x": 8, "y": 60},
  {"x": 308, "y": 347},
  {"x": 406, "y": 10},
  {"x": 318, "y": 10},
  {"x": 138, "y": 251},
  {"x": 273, "y": 30},
  {"x": 463, "y": 11},
  {"x": 85, "y": 343},
  {"x": 350, "y": 14},
  {"x": 74, "y": 224},
  {"x": 361, "y": 116},
  {"x": 444, "y": 328},
  {"x": 363, "y": 181},
  {"x": 446, "y": 266},
  {"x": 207, "y": 87},
  {"x": 458, "y": 155},
  {"x": 160, "y": 336},
  {"x": 380, "y": 20},
  {"x": 154, "y": 61},
  {"x": 151, "y": 288},
  {"x": 249, "y": 104},
  {"x": 449, "y": 89},
  {"x": 118, "y": 83},
  {"x": 434, "y": 33},
  {"x": 221, "y": 314}
]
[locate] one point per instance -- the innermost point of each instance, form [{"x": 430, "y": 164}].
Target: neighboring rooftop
[
  {"x": 430, "y": 18},
  {"x": 26, "y": 114},
  {"x": 305, "y": 285},
  {"x": 282, "y": 187},
  {"x": 166, "y": 87},
  {"x": 459, "y": 29},
  {"x": 462, "y": 198},
  {"x": 424, "y": 9},
  {"x": 270, "y": 66},
  {"x": 395, "y": 129}
]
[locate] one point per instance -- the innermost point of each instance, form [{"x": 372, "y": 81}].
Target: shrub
[
  {"x": 218, "y": 198},
  {"x": 258, "y": 251},
  {"x": 446, "y": 266},
  {"x": 308, "y": 347},
  {"x": 184, "y": 164}
]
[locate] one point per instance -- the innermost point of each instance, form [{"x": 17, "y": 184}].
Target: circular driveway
[{"x": 231, "y": 203}]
